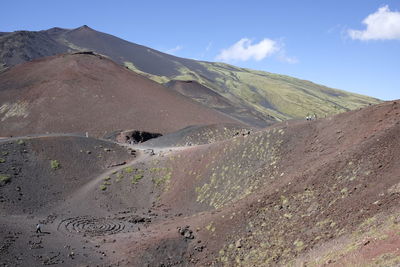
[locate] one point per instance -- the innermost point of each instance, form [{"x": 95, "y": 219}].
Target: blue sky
[{"x": 330, "y": 42}]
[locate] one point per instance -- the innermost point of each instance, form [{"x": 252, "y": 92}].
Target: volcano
[{"x": 86, "y": 92}]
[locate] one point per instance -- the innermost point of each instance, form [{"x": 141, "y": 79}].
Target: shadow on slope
[{"x": 212, "y": 99}]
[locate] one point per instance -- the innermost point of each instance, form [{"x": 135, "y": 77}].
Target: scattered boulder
[
  {"x": 132, "y": 151},
  {"x": 199, "y": 248},
  {"x": 238, "y": 243},
  {"x": 186, "y": 232},
  {"x": 139, "y": 219}
]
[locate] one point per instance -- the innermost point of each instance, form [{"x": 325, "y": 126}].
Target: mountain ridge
[
  {"x": 84, "y": 92},
  {"x": 265, "y": 97}
]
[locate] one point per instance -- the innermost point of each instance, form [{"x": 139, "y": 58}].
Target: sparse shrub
[
  {"x": 2, "y": 160},
  {"x": 155, "y": 169},
  {"x": 298, "y": 243},
  {"x": 157, "y": 181},
  {"x": 20, "y": 142},
  {"x": 55, "y": 165},
  {"x": 162, "y": 180},
  {"x": 137, "y": 178},
  {"x": 103, "y": 187},
  {"x": 107, "y": 178},
  {"x": 128, "y": 169},
  {"x": 5, "y": 178}
]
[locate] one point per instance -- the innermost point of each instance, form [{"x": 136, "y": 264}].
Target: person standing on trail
[{"x": 38, "y": 228}]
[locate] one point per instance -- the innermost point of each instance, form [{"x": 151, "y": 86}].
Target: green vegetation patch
[
  {"x": 105, "y": 183},
  {"x": 21, "y": 142},
  {"x": 55, "y": 165},
  {"x": 5, "y": 178},
  {"x": 267, "y": 94},
  {"x": 158, "y": 79},
  {"x": 136, "y": 178},
  {"x": 241, "y": 172},
  {"x": 103, "y": 187},
  {"x": 161, "y": 177},
  {"x": 128, "y": 170},
  {"x": 159, "y": 181}
]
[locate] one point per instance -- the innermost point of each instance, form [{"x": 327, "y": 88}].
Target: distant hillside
[
  {"x": 90, "y": 93},
  {"x": 258, "y": 97},
  {"x": 21, "y": 46}
]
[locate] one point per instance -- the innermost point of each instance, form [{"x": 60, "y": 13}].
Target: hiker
[{"x": 38, "y": 228}]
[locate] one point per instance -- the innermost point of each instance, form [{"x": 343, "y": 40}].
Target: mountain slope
[
  {"x": 215, "y": 100},
  {"x": 22, "y": 46},
  {"x": 298, "y": 193},
  {"x": 89, "y": 93},
  {"x": 267, "y": 97}
]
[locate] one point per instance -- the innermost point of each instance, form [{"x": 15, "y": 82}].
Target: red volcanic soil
[
  {"x": 90, "y": 93},
  {"x": 300, "y": 193},
  {"x": 199, "y": 135}
]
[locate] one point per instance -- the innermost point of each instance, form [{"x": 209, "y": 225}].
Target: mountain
[
  {"x": 86, "y": 92},
  {"x": 259, "y": 98},
  {"x": 297, "y": 193},
  {"x": 22, "y": 46}
]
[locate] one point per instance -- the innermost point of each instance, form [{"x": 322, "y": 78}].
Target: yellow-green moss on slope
[
  {"x": 248, "y": 164},
  {"x": 158, "y": 79},
  {"x": 288, "y": 96},
  {"x": 282, "y": 97}
]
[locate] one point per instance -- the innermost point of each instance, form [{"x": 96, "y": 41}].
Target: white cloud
[
  {"x": 174, "y": 50},
  {"x": 284, "y": 58},
  {"x": 244, "y": 50},
  {"x": 381, "y": 25}
]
